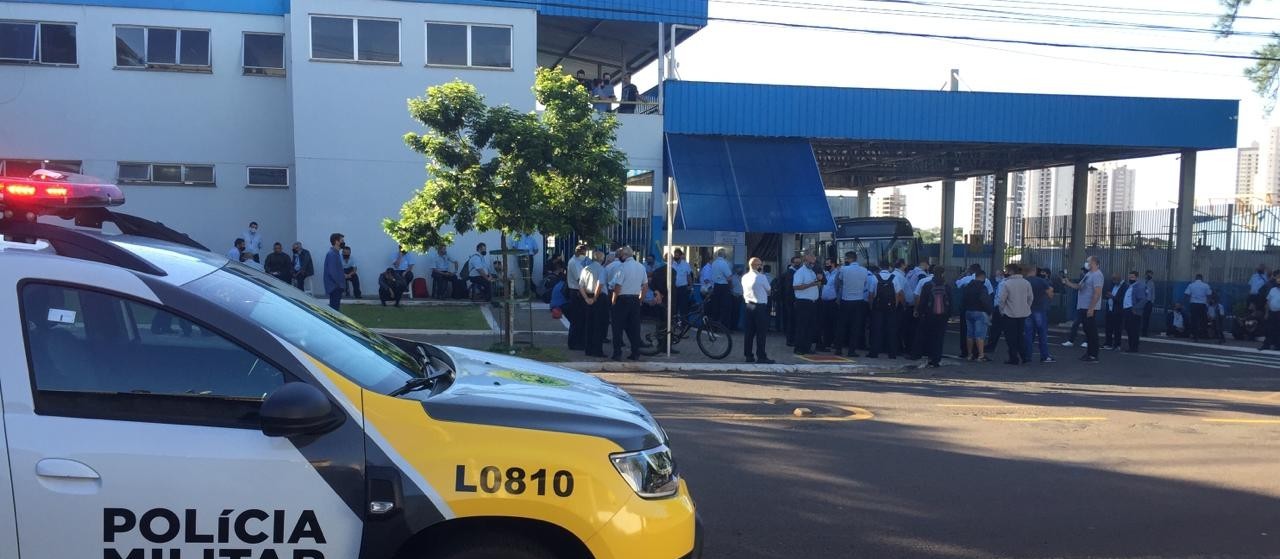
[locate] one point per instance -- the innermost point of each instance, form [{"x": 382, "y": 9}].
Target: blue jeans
[
  {"x": 976, "y": 323},
  {"x": 1037, "y": 325}
]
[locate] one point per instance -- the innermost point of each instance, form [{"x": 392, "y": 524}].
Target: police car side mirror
[{"x": 297, "y": 408}]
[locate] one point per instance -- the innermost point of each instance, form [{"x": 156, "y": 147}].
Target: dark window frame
[
  {"x": 355, "y": 40},
  {"x": 176, "y": 409},
  {"x": 63, "y": 165},
  {"x": 249, "y": 176},
  {"x": 470, "y": 45},
  {"x": 151, "y": 178},
  {"x": 177, "y": 65},
  {"x": 263, "y": 70},
  {"x": 37, "y": 50}
]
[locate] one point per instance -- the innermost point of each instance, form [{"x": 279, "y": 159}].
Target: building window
[
  {"x": 24, "y": 167},
  {"x": 269, "y": 176},
  {"x": 31, "y": 42},
  {"x": 165, "y": 174},
  {"x": 469, "y": 46},
  {"x": 264, "y": 54},
  {"x": 162, "y": 48},
  {"x": 345, "y": 39}
]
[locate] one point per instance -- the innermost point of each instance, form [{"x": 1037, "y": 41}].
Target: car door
[{"x": 133, "y": 433}]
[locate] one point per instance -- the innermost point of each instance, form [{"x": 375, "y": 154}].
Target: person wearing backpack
[
  {"x": 975, "y": 306},
  {"x": 885, "y": 302},
  {"x": 933, "y": 308}
]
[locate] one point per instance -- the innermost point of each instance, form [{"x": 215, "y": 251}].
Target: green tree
[
  {"x": 495, "y": 168},
  {"x": 1265, "y": 72}
]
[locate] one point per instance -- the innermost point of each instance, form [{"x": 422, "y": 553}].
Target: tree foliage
[
  {"x": 495, "y": 168},
  {"x": 1265, "y": 72}
]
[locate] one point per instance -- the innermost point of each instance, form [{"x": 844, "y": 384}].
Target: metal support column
[
  {"x": 947, "y": 232},
  {"x": 1186, "y": 210},
  {"x": 864, "y": 202},
  {"x": 999, "y": 220},
  {"x": 1079, "y": 213}
]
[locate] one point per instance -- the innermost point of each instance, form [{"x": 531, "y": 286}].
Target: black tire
[
  {"x": 654, "y": 342},
  {"x": 497, "y": 547},
  {"x": 714, "y": 340}
]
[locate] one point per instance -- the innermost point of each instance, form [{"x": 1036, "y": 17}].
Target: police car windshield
[{"x": 343, "y": 345}]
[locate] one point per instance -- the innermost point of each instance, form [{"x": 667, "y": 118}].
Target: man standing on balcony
[{"x": 630, "y": 95}]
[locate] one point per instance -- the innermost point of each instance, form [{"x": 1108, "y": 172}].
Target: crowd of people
[{"x": 603, "y": 96}]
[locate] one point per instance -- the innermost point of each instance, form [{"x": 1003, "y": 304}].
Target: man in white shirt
[
  {"x": 629, "y": 283},
  {"x": 906, "y": 324},
  {"x": 681, "y": 277},
  {"x": 237, "y": 252},
  {"x": 444, "y": 269},
  {"x": 576, "y": 313},
  {"x": 595, "y": 301},
  {"x": 807, "y": 286},
  {"x": 755, "y": 292},
  {"x": 479, "y": 273},
  {"x": 1272, "y": 317},
  {"x": 918, "y": 346},
  {"x": 852, "y": 329},
  {"x": 886, "y": 304},
  {"x": 994, "y": 334}
]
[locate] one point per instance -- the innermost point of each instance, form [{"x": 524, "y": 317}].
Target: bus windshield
[{"x": 874, "y": 251}]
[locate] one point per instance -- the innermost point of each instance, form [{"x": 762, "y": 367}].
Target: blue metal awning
[{"x": 752, "y": 185}]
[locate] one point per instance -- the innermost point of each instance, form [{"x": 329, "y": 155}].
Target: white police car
[{"x": 160, "y": 402}]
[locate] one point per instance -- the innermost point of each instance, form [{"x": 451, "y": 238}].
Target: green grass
[
  {"x": 417, "y": 317},
  {"x": 536, "y": 353}
]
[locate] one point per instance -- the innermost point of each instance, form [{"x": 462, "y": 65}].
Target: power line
[{"x": 886, "y": 32}]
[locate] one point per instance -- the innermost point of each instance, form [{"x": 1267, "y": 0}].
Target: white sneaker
[
  {"x": 1067, "y": 344},
  {"x": 1086, "y": 344}
]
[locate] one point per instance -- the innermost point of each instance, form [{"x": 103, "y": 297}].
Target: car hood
[{"x": 496, "y": 389}]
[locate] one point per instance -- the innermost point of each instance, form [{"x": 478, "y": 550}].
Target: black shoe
[
  {"x": 933, "y": 365},
  {"x": 616, "y": 357},
  {"x": 873, "y": 356},
  {"x": 765, "y": 361},
  {"x": 750, "y": 359},
  {"x": 1089, "y": 359},
  {"x": 822, "y": 349},
  {"x": 837, "y": 352},
  {"x": 633, "y": 357},
  {"x": 798, "y": 352},
  {"x": 1013, "y": 362}
]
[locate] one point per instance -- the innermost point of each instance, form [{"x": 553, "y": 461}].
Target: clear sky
[{"x": 736, "y": 52}]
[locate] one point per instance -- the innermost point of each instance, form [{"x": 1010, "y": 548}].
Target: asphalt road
[{"x": 1171, "y": 453}]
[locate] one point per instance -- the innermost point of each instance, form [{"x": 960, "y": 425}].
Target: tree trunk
[{"x": 509, "y": 315}]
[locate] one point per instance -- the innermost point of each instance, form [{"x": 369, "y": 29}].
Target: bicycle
[{"x": 713, "y": 338}]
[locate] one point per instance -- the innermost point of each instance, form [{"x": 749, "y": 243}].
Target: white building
[
  {"x": 1246, "y": 171},
  {"x": 212, "y": 114},
  {"x": 893, "y": 204}
]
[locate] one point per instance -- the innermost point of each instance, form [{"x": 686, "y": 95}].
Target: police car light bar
[{"x": 50, "y": 191}]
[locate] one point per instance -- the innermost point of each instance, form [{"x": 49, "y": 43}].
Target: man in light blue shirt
[
  {"x": 1198, "y": 293},
  {"x": 402, "y": 263},
  {"x": 1257, "y": 283},
  {"x": 721, "y": 295},
  {"x": 851, "y": 332},
  {"x": 444, "y": 269},
  {"x": 828, "y": 307}
]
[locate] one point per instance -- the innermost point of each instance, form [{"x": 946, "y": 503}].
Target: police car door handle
[{"x": 64, "y": 469}]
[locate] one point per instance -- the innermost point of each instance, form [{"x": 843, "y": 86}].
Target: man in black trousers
[
  {"x": 933, "y": 309},
  {"x": 806, "y": 283},
  {"x": 629, "y": 283}
]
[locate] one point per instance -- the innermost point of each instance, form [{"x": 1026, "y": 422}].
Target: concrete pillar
[
  {"x": 999, "y": 220},
  {"x": 1079, "y": 211},
  {"x": 864, "y": 202},
  {"x": 948, "y": 222},
  {"x": 1185, "y": 212}
]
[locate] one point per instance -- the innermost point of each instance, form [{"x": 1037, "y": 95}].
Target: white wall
[
  {"x": 101, "y": 115},
  {"x": 354, "y": 169}
]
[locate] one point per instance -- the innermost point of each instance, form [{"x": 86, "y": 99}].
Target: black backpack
[{"x": 886, "y": 296}]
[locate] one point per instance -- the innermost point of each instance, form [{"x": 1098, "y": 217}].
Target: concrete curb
[{"x": 661, "y": 367}]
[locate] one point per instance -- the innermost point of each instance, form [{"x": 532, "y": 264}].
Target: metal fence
[{"x": 634, "y": 227}]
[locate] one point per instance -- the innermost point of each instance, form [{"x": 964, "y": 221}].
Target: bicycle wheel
[
  {"x": 714, "y": 340},
  {"x": 655, "y": 341}
]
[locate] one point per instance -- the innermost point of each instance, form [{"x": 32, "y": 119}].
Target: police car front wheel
[{"x": 495, "y": 548}]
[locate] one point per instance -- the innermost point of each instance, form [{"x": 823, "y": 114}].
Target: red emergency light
[{"x": 49, "y": 191}]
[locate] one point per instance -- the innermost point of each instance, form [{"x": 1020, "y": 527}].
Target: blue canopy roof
[
  {"x": 752, "y": 185},
  {"x": 864, "y": 138}
]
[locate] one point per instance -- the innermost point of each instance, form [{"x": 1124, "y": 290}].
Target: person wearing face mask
[
  {"x": 1150, "y": 282},
  {"x": 755, "y": 293},
  {"x": 1135, "y": 299},
  {"x": 1114, "y": 321},
  {"x": 479, "y": 273},
  {"x": 806, "y": 284},
  {"x": 629, "y": 284},
  {"x": 828, "y": 307},
  {"x": 253, "y": 242},
  {"x": 786, "y": 300},
  {"x": 303, "y": 267}
]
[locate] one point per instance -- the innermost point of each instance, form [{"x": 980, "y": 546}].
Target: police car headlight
[{"x": 651, "y": 473}]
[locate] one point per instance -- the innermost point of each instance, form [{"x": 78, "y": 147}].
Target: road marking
[
  {"x": 1187, "y": 359},
  {"x": 1038, "y": 419},
  {"x": 1245, "y": 421},
  {"x": 984, "y": 406},
  {"x": 1259, "y": 361},
  {"x": 857, "y": 414}
]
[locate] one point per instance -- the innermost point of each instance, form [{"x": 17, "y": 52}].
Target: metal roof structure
[
  {"x": 687, "y": 12},
  {"x": 866, "y": 138}
]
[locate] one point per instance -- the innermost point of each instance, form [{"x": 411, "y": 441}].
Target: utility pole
[{"x": 955, "y": 79}]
